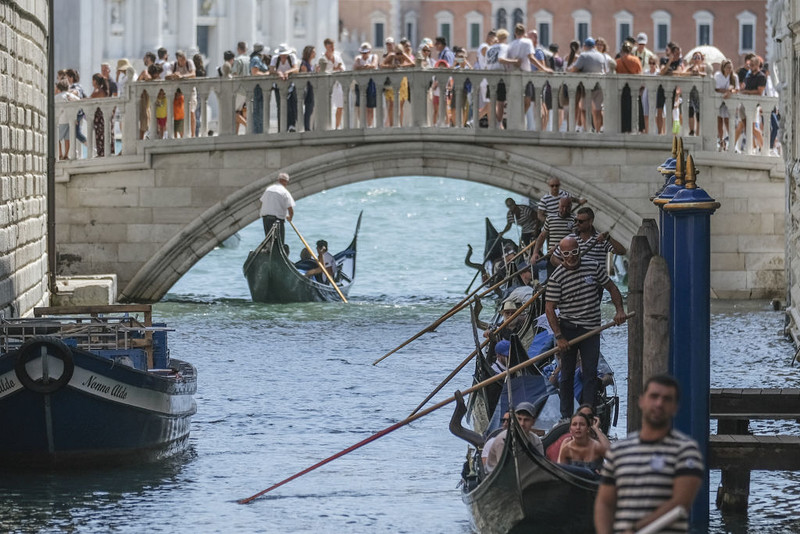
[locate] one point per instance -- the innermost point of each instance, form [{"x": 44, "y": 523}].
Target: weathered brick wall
[{"x": 23, "y": 156}]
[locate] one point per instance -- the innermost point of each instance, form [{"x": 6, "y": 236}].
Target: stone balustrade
[{"x": 269, "y": 106}]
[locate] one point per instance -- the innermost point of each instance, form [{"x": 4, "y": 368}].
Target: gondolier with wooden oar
[
  {"x": 572, "y": 288},
  {"x": 277, "y": 205}
]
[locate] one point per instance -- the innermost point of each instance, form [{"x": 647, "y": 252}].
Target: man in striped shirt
[
  {"x": 556, "y": 228},
  {"x": 525, "y": 217},
  {"x": 593, "y": 245},
  {"x": 649, "y": 473},
  {"x": 573, "y": 289},
  {"x": 548, "y": 205}
]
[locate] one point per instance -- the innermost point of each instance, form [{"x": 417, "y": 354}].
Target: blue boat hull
[{"x": 107, "y": 413}]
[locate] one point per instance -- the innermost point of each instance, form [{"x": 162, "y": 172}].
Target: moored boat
[
  {"x": 91, "y": 386},
  {"x": 273, "y": 278}
]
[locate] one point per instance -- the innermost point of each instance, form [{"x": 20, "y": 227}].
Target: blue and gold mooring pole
[
  {"x": 674, "y": 171},
  {"x": 690, "y": 210}
]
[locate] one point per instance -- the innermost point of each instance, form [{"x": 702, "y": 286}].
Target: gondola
[
  {"x": 91, "y": 386},
  {"x": 273, "y": 278},
  {"x": 492, "y": 250},
  {"x": 526, "y": 491}
]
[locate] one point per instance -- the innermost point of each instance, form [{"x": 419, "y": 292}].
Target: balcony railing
[{"x": 261, "y": 107}]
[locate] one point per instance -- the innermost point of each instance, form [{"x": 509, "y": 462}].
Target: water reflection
[{"x": 70, "y": 500}]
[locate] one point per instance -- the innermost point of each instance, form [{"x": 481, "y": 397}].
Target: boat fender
[{"x": 33, "y": 348}]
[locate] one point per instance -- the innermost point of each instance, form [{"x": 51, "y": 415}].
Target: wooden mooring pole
[
  {"x": 657, "y": 288},
  {"x": 638, "y": 259}
]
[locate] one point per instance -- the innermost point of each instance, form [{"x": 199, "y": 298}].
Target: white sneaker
[{"x": 578, "y": 129}]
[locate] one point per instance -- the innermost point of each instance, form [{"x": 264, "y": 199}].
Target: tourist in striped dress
[
  {"x": 573, "y": 289},
  {"x": 556, "y": 228},
  {"x": 593, "y": 245},
  {"x": 649, "y": 473}
]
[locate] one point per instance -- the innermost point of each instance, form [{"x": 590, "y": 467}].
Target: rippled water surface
[{"x": 282, "y": 387}]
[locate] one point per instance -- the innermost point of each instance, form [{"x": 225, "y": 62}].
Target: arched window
[
  {"x": 583, "y": 24},
  {"x": 544, "y": 23},
  {"x": 662, "y": 29},
  {"x": 519, "y": 17},
  {"x": 502, "y": 18},
  {"x": 747, "y": 31},
  {"x": 704, "y": 23},
  {"x": 624, "y": 23}
]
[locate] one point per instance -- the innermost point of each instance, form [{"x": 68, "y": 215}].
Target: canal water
[{"x": 284, "y": 386}]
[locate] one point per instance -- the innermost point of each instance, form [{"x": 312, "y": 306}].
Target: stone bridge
[{"x": 151, "y": 212}]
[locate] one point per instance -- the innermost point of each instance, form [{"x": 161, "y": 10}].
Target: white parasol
[{"x": 712, "y": 54}]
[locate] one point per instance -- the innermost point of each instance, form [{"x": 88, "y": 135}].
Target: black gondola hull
[{"x": 273, "y": 278}]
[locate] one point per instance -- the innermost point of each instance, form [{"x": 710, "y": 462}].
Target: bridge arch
[{"x": 520, "y": 173}]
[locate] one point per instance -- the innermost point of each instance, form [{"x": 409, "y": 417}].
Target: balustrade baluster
[{"x": 616, "y": 89}]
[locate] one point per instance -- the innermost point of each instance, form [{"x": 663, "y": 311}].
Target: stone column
[
  {"x": 152, "y": 18},
  {"x": 279, "y": 14},
  {"x": 186, "y": 26}
]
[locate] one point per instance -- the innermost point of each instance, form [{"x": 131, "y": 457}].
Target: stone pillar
[
  {"x": 153, "y": 19},
  {"x": 186, "y": 27},
  {"x": 280, "y": 20},
  {"x": 691, "y": 209}
]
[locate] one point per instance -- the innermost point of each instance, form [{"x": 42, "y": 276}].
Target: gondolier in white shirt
[
  {"x": 573, "y": 289},
  {"x": 277, "y": 205}
]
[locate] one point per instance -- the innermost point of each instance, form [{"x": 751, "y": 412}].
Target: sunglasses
[
  {"x": 505, "y": 419},
  {"x": 579, "y": 221},
  {"x": 574, "y": 252}
]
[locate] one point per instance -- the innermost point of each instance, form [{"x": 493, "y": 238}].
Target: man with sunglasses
[
  {"x": 548, "y": 205},
  {"x": 556, "y": 228},
  {"x": 592, "y": 244},
  {"x": 573, "y": 289}
]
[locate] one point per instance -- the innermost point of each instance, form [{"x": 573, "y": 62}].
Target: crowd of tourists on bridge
[{"x": 501, "y": 51}]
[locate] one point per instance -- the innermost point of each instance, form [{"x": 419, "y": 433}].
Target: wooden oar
[
  {"x": 321, "y": 265},
  {"x": 474, "y": 353},
  {"x": 463, "y": 303},
  {"x": 423, "y": 413}
]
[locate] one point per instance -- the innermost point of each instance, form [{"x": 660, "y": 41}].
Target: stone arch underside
[{"x": 496, "y": 166}]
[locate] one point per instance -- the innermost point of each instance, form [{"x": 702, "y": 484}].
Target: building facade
[
  {"x": 784, "y": 37},
  {"x": 23, "y": 162},
  {"x": 735, "y": 27},
  {"x": 89, "y": 32}
]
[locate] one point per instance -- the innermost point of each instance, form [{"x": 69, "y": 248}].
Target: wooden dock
[{"x": 736, "y": 451}]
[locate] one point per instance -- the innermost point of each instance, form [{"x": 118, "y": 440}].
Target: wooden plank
[
  {"x": 755, "y": 403},
  {"x": 771, "y": 453}
]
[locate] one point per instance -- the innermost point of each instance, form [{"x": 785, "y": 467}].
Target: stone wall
[
  {"x": 150, "y": 222},
  {"x": 23, "y": 157},
  {"x": 783, "y": 19}
]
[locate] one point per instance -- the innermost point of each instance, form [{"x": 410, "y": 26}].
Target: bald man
[{"x": 573, "y": 290}]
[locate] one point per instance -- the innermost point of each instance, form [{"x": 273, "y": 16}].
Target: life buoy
[{"x": 33, "y": 349}]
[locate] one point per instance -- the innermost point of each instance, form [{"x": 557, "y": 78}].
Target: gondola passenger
[
  {"x": 526, "y": 417},
  {"x": 327, "y": 259},
  {"x": 580, "y": 450}
]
